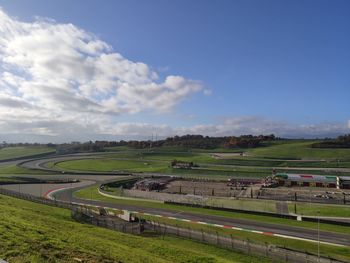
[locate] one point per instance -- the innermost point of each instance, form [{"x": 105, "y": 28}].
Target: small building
[
  {"x": 182, "y": 165},
  {"x": 152, "y": 184},
  {"x": 244, "y": 181},
  {"x": 312, "y": 180},
  {"x": 344, "y": 182}
]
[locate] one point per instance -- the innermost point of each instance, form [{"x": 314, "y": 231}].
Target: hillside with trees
[
  {"x": 342, "y": 141},
  {"x": 185, "y": 141},
  {"x": 206, "y": 142}
]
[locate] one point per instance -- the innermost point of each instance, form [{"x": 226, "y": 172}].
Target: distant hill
[
  {"x": 206, "y": 142},
  {"x": 340, "y": 142}
]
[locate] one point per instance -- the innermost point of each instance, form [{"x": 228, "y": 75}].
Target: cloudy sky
[{"x": 81, "y": 70}]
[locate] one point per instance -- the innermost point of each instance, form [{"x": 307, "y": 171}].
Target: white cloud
[
  {"x": 207, "y": 92},
  {"x": 92, "y": 128},
  {"x": 51, "y": 70},
  {"x": 228, "y": 127},
  {"x": 232, "y": 126}
]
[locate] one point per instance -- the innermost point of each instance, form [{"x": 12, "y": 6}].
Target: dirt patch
[
  {"x": 209, "y": 188},
  {"x": 228, "y": 155}
]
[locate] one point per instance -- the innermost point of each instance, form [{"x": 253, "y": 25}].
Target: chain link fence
[
  {"x": 89, "y": 216},
  {"x": 273, "y": 253}
]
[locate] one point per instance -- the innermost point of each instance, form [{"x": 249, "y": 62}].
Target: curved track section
[{"x": 40, "y": 164}]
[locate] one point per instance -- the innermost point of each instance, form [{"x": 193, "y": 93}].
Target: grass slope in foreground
[{"x": 32, "y": 232}]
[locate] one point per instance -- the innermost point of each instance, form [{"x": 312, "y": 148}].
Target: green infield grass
[
  {"x": 103, "y": 164},
  {"x": 312, "y": 209}
]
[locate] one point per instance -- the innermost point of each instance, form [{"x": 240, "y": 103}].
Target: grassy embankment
[
  {"x": 13, "y": 173},
  {"x": 300, "y": 150},
  {"x": 31, "y": 232},
  {"x": 16, "y": 152},
  {"x": 8, "y": 171},
  {"x": 16, "y": 170}
]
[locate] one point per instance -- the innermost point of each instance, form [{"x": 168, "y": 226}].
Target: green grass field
[
  {"x": 110, "y": 165},
  {"x": 258, "y": 162},
  {"x": 299, "y": 150},
  {"x": 278, "y": 150},
  {"x": 31, "y": 232},
  {"x": 15, "y": 152},
  {"x": 16, "y": 170},
  {"x": 156, "y": 166},
  {"x": 321, "y": 209}
]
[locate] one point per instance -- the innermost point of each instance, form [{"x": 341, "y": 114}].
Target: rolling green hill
[
  {"x": 299, "y": 150},
  {"x": 31, "y": 232},
  {"x": 15, "y": 152}
]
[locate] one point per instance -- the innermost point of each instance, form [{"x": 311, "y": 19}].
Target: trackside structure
[{"x": 312, "y": 180}]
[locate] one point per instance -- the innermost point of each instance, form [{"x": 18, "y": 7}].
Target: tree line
[
  {"x": 206, "y": 142},
  {"x": 185, "y": 141},
  {"x": 342, "y": 141}
]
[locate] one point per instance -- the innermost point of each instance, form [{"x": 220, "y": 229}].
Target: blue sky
[{"x": 284, "y": 65}]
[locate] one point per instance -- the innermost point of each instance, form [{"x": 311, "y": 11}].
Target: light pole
[
  {"x": 318, "y": 236},
  {"x": 70, "y": 193}
]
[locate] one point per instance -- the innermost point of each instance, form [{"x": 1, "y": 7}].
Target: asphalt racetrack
[{"x": 88, "y": 179}]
